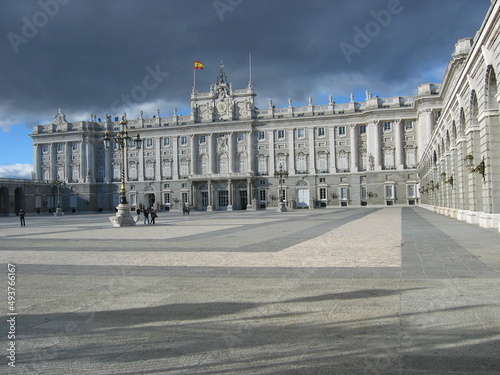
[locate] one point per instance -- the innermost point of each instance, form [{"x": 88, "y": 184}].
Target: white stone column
[
  {"x": 229, "y": 195},
  {"x": 250, "y": 152},
  {"x": 374, "y": 144},
  {"x": 312, "y": 154},
  {"x": 67, "y": 161},
  {"x": 53, "y": 161},
  {"x": 398, "y": 140},
  {"x": 140, "y": 166},
  {"x": 194, "y": 155},
  {"x": 354, "y": 147},
  {"x": 291, "y": 150},
  {"x": 175, "y": 158},
  {"x": 107, "y": 165},
  {"x": 333, "y": 152},
  {"x": 210, "y": 196},
  {"x": 424, "y": 130},
  {"x": 272, "y": 153},
  {"x": 37, "y": 162},
  {"x": 157, "y": 158},
  {"x": 83, "y": 159},
  {"x": 231, "y": 152},
  {"x": 211, "y": 154},
  {"x": 91, "y": 166}
]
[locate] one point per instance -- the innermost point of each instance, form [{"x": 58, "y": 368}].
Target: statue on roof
[
  {"x": 221, "y": 78},
  {"x": 60, "y": 117}
]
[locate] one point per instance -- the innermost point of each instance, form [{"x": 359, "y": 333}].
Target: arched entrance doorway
[
  {"x": 4, "y": 201},
  {"x": 302, "y": 194},
  {"x": 149, "y": 196},
  {"x": 18, "y": 200},
  {"x": 242, "y": 192}
]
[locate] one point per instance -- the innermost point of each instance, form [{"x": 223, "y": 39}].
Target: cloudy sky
[{"x": 110, "y": 56}]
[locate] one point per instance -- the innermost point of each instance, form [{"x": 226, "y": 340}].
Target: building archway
[
  {"x": 4, "y": 201},
  {"x": 149, "y": 196},
  {"x": 302, "y": 188},
  {"x": 19, "y": 200}
]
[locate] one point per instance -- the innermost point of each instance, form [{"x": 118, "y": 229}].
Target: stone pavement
[{"x": 334, "y": 291}]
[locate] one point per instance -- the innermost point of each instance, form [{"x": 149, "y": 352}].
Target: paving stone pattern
[{"x": 333, "y": 291}]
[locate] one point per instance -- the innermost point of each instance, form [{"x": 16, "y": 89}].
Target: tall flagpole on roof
[
  {"x": 194, "y": 75},
  {"x": 250, "y": 67}
]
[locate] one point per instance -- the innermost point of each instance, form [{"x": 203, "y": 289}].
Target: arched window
[
  {"x": 223, "y": 163},
  {"x": 167, "y": 169},
  {"x": 204, "y": 164}
]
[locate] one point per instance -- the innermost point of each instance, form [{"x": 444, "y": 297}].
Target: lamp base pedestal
[
  {"x": 58, "y": 212},
  {"x": 123, "y": 217},
  {"x": 282, "y": 207}
]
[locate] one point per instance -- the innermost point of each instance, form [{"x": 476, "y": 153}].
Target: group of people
[{"x": 149, "y": 215}]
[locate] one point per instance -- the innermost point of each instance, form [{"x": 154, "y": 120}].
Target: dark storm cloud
[{"x": 89, "y": 56}]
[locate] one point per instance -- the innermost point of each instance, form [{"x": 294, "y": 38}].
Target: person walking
[
  {"x": 146, "y": 215},
  {"x": 153, "y": 215},
  {"x": 21, "y": 217}
]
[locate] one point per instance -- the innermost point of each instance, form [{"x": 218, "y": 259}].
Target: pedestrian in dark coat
[{"x": 21, "y": 217}]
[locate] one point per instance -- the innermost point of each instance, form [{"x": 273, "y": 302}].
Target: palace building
[{"x": 227, "y": 154}]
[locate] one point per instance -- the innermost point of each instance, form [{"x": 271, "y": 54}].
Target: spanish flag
[{"x": 198, "y": 64}]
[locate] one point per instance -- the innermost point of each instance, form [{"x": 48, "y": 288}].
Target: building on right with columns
[{"x": 459, "y": 167}]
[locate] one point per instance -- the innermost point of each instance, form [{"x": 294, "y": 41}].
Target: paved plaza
[{"x": 381, "y": 290}]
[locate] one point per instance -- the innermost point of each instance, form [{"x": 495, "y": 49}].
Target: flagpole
[
  {"x": 194, "y": 76},
  {"x": 250, "y": 66}
]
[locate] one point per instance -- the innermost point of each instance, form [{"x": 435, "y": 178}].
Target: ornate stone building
[
  {"x": 225, "y": 154},
  {"x": 460, "y": 167}
]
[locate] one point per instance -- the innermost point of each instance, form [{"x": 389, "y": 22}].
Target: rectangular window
[
  {"x": 184, "y": 197},
  {"x": 411, "y": 191},
  {"x": 409, "y": 125},
  {"x": 262, "y": 195},
  {"x": 322, "y": 193},
  {"x": 261, "y": 136},
  {"x": 362, "y": 129},
  {"x": 387, "y": 126},
  {"x": 341, "y": 130},
  {"x": 389, "y": 192},
  {"x": 45, "y": 149},
  {"x": 74, "y": 146},
  {"x": 344, "y": 193},
  {"x": 301, "y": 133},
  {"x": 364, "y": 194},
  {"x": 240, "y": 137},
  {"x": 60, "y": 147},
  {"x": 281, "y": 134},
  {"x": 166, "y": 141},
  {"x": 166, "y": 198},
  {"x": 410, "y": 158},
  {"x": 184, "y": 141},
  {"x": 322, "y": 180},
  {"x": 149, "y": 142},
  {"x": 343, "y": 162},
  {"x": 321, "y": 132},
  {"x": 202, "y": 139}
]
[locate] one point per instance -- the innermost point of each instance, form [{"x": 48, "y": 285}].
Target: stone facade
[
  {"x": 225, "y": 154},
  {"x": 467, "y": 130}
]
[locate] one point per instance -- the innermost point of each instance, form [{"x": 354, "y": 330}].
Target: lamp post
[
  {"x": 281, "y": 174},
  {"x": 480, "y": 168},
  {"x": 58, "y": 183},
  {"x": 122, "y": 139}
]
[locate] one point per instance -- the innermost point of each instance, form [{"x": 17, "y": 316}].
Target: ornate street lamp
[
  {"x": 480, "y": 168},
  {"x": 58, "y": 183},
  {"x": 281, "y": 174},
  {"x": 123, "y": 140}
]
